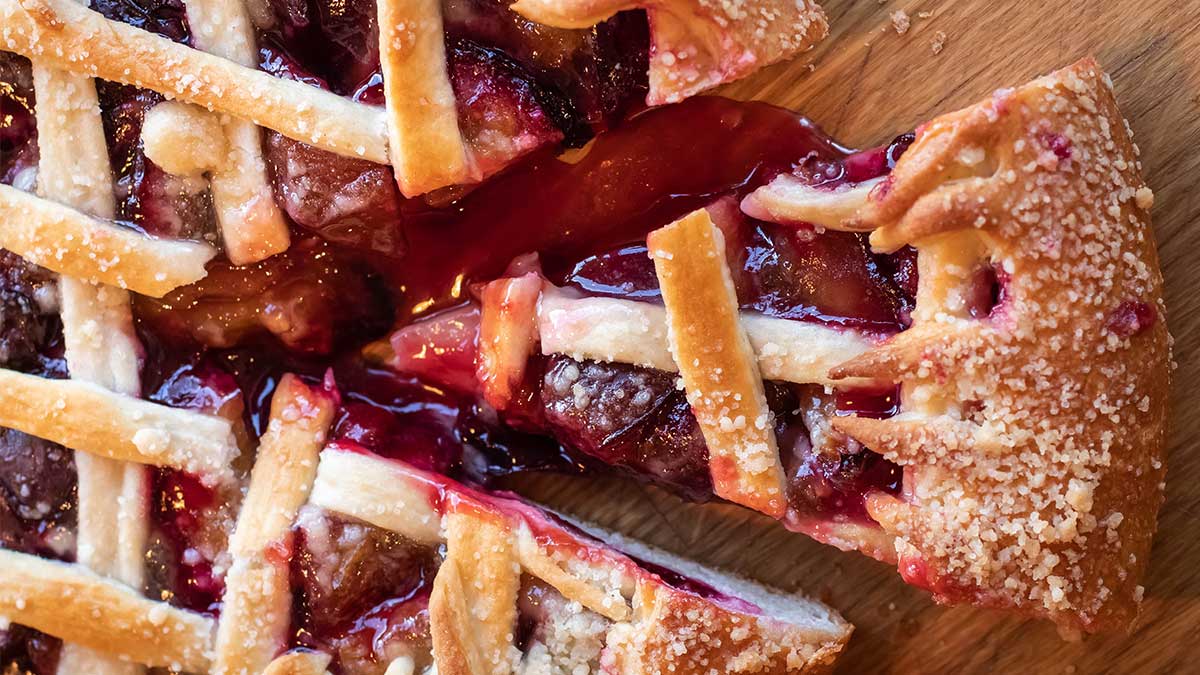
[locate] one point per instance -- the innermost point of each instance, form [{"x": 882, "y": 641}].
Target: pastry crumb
[
  {"x": 938, "y": 43},
  {"x": 901, "y": 22}
]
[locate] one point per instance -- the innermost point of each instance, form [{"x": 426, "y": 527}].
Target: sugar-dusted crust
[
  {"x": 75, "y": 244},
  {"x": 85, "y": 417},
  {"x": 627, "y": 331},
  {"x": 427, "y": 148},
  {"x": 717, "y": 364},
  {"x": 1032, "y": 439},
  {"x": 574, "y": 579},
  {"x": 63, "y": 34},
  {"x": 73, "y": 168},
  {"x": 490, "y": 541},
  {"x": 363, "y": 487},
  {"x": 698, "y": 44},
  {"x": 659, "y": 640},
  {"x": 187, "y": 140},
  {"x": 252, "y": 225},
  {"x": 73, "y": 603},
  {"x": 473, "y": 605},
  {"x": 256, "y": 613}
]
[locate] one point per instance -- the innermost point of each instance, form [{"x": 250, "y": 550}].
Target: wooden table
[{"x": 867, "y": 84}]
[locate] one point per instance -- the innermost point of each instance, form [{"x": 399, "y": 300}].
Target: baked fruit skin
[{"x": 1032, "y": 438}]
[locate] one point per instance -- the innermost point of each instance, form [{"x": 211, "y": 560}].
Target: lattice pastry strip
[
  {"x": 256, "y": 609},
  {"x": 88, "y": 418},
  {"x": 67, "y": 36},
  {"x": 426, "y": 146},
  {"x": 74, "y": 603},
  {"x": 722, "y": 353},
  {"x": 73, "y": 167},
  {"x": 627, "y": 331},
  {"x": 697, "y": 44},
  {"x": 715, "y": 359},
  {"x": 252, "y": 225},
  {"x": 75, "y": 244},
  {"x": 475, "y": 594},
  {"x": 491, "y": 541}
]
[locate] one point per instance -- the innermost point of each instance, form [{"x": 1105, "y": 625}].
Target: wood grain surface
[{"x": 866, "y": 84}]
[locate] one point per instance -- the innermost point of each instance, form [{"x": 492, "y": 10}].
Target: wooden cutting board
[{"x": 865, "y": 84}]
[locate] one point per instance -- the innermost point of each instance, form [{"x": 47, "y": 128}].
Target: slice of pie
[
  {"x": 975, "y": 390},
  {"x": 342, "y": 559}
]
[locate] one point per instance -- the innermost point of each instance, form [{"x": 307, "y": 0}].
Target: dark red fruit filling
[
  {"x": 398, "y": 417},
  {"x": 18, "y": 125},
  {"x": 588, "y": 78},
  {"x": 336, "y": 42},
  {"x": 501, "y": 114},
  {"x": 24, "y": 650},
  {"x": 30, "y": 331},
  {"x": 653, "y": 169},
  {"x": 361, "y": 594},
  {"x": 873, "y": 403},
  {"x": 37, "y": 496},
  {"x": 987, "y": 291},
  {"x": 582, "y": 80},
  {"x": 377, "y": 258},
  {"x": 1131, "y": 318},
  {"x": 190, "y": 520},
  {"x": 149, "y": 198},
  {"x": 181, "y": 513},
  {"x": 343, "y": 200},
  {"x": 168, "y": 18},
  {"x": 831, "y": 278},
  {"x": 311, "y": 299},
  {"x": 37, "y": 478},
  {"x": 627, "y": 417},
  {"x": 836, "y": 485}
]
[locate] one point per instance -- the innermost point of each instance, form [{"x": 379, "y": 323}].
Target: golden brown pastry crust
[
  {"x": 473, "y": 605},
  {"x": 252, "y": 225},
  {"x": 63, "y": 34},
  {"x": 426, "y": 145},
  {"x": 659, "y": 641},
  {"x": 83, "y": 416},
  {"x": 490, "y": 541},
  {"x": 1032, "y": 439},
  {"x": 698, "y": 44},
  {"x": 78, "y": 245},
  {"x": 718, "y": 367},
  {"x": 73, "y": 603},
  {"x": 73, "y": 168},
  {"x": 256, "y": 610}
]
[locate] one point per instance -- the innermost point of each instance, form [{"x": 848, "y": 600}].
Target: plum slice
[{"x": 361, "y": 593}]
